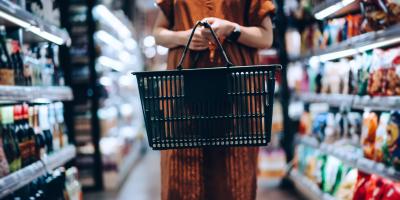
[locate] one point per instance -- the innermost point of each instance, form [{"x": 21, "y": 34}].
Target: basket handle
[{"x": 206, "y": 25}]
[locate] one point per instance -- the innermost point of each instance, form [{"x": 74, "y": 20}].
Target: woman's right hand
[{"x": 199, "y": 41}]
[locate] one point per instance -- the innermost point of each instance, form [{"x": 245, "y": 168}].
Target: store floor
[{"x": 143, "y": 184}]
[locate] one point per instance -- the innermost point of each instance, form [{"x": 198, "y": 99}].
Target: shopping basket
[{"x": 206, "y": 107}]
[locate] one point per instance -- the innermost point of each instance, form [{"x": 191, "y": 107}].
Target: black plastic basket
[{"x": 221, "y": 106}]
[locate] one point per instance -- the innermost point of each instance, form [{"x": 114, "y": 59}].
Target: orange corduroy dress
[{"x": 211, "y": 173}]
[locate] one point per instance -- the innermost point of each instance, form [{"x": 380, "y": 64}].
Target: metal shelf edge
[
  {"x": 30, "y": 93},
  {"x": 20, "y": 178}
]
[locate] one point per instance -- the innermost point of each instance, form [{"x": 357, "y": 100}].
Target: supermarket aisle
[{"x": 144, "y": 183}]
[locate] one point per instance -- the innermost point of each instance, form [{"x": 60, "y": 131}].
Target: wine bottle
[
  {"x": 54, "y": 128},
  {"x": 18, "y": 160},
  {"x": 39, "y": 137},
  {"x": 6, "y": 73},
  {"x": 4, "y": 167},
  {"x": 21, "y": 134},
  {"x": 28, "y": 121},
  {"x": 18, "y": 65},
  {"x": 45, "y": 126}
]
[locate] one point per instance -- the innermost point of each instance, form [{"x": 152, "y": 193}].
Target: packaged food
[
  {"x": 393, "y": 192},
  {"x": 355, "y": 123},
  {"x": 319, "y": 124},
  {"x": 377, "y": 74},
  {"x": 381, "y": 137},
  {"x": 393, "y": 140},
  {"x": 361, "y": 187},
  {"x": 305, "y": 123},
  {"x": 363, "y": 73},
  {"x": 347, "y": 186},
  {"x": 332, "y": 175},
  {"x": 330, "y": 133},
  {"x": 393, "y": 74},
  {"x": 368, "y": 136}
]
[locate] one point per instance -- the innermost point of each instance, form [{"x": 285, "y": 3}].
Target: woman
[{"x": 244, "y": 26}]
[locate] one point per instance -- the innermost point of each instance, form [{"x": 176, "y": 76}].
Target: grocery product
[
  {"x": 368, "y": 136},
  {"x": 381, "y": 137},
  {"x": 347, "y": 186},
  {"x": 393, "y": 140},
  {"x": 332, "y": 175}
]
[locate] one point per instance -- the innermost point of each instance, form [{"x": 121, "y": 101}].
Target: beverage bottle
[
  {"x": 4, "y": 167},
  {"x": 12, "y": 128},
  {"x": 9, "y": 141},
  {"x": 54, "y": 128},
  {"x": 21, "y": 134},
  {"x": 28, "y": 66},
  {"x": 6, "y": 72},
  {"x": 39, "y": 136},
  {"x": 45, "y": 126},
  {"x": 28, "y": 121},
  {"x": 47, "y": 67},
  {"x": 63, "y": 132},
  {"x": 18, "y": 65}
]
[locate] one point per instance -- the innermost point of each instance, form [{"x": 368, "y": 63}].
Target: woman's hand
[
  {"x": 222, "y": 28},
  {"x": 199, "y": 41}
]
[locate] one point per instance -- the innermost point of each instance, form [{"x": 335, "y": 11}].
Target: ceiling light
[
  {"x": 100, "y": 11},
  {"x": 111, "y": 63},
  {"x": 108, "y": 39}
]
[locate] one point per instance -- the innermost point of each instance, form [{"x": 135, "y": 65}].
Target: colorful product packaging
[
  {"x": 381, "y": 137},
  {"x": 347, "y": 186},
  {"x": 393, "y": 140},
  {"x": 368, "y": 136}
]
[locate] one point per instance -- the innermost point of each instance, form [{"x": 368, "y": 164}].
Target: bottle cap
[
  {"x": 17, "y": 112},
  {"x": 25, "y": 111}
]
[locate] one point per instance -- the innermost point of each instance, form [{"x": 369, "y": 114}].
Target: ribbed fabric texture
[{"x": 215, "y": 173}]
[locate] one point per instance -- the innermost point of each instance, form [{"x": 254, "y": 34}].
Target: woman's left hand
[{"x": 222, "y": 28}]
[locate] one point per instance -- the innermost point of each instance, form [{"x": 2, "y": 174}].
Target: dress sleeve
[
  {"x": 258, "y": 10},
  {"x": 167, "y": 7}
]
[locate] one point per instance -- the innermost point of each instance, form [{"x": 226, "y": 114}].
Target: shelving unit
[
  {"x": 333, "y": 8},
  {"x": 17, "y": 180},
  {"x": 355, "y": 45},
  {"x": 307, "y": 187},
  {"x": 351, "y": 160},
  {"x": 14, "y": 14},
  {"x": 32, "y": 93},
  {"x": 354, "y": 101}
]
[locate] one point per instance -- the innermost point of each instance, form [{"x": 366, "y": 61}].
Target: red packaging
[
  {"x": 393, "y": 192},
  {"x": 360, "y": 192}
]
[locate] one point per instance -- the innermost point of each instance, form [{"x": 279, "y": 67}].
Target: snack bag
[
  {"x": 318, "y": 127},
  {"x": 355, "y": 123},
  {"x": 377, "y": 74},
  {"x": 393, "y": 192},
  {"x": 378, "y": 187},
  {"x": 361, "y": 186},
  {"x": 363, "y": 73},
  {"x": 331, "y": 174},
  {"x": 368, "y": 135},
  {"x": 305, "y": 123},
  {"x": 393, "y": 74},
  {"x": 347, "y": 186},
  {"x": 381, "y": 137},
  {"x": 393, "y": 140},
  {"x": 330, "y": 129}
]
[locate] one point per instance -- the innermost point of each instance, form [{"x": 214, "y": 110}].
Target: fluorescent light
[
  {"x": 109, "y": 39},
  {"x": 100, "y": 11},
  {"x": 379, "y": 44},
  {"x": 14, "y": 20},
  {"x": 34, "y": 29},
  {"x": 150, "y": 52},
  {"x": 130, "y": 44},
  {"x": 332, "y": 9},
  {"x": 338, "y": 54},
  {"x": 111, "y": 63}
]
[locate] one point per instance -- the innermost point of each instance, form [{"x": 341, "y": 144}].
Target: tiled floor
[{"x": 143, "y": 184}]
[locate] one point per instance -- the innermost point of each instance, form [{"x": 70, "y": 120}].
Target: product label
[
  {"x": 25, "y": 152},
  {"x": 7, "y": 77}
]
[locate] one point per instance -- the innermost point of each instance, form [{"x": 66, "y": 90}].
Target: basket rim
[{"x": 274, "y": 66}]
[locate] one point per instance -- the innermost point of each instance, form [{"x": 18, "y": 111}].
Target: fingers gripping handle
[{"x": 206, "y": 25}]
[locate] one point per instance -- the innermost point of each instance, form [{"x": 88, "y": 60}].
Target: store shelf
[
  {"x": 32, "y": 93},
  {"x": 356, "y": 44},
  {"x": 309, "y": 189},
  {"x": 17, "y": 180},
  {"x": 14, "y": 14},
  {"x": 333, "y": 8},
  {"x": 363, "y": 164},
  {"x": 354, "y": 101}
]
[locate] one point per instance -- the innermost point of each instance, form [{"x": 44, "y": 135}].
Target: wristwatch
[{"x": 235, "y": 34}]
